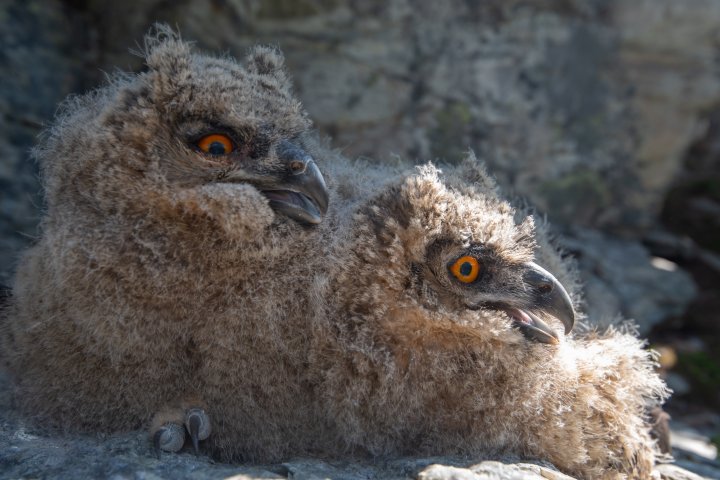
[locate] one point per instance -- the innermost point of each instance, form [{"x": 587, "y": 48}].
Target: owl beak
[
  {"x": 549, "y": 297},
  {"x": 532, "y": 327},
  {"x": 301, "y": 193}
]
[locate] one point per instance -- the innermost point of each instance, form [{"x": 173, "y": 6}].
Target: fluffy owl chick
[
  {"x": 167, "y": 192},
  {"x": 443, "y": 333}
]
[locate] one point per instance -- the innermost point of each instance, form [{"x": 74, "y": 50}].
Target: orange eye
[
  {"x": 215, "y": 144},
  {"x": 466, "y": 269}
]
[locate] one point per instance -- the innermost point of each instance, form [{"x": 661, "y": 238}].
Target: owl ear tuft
[
  {"x": 168, "y": 58},
  {"x": 165, "y": 51}
]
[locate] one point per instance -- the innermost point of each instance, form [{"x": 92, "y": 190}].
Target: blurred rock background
[{"x": 605, "y": 114}]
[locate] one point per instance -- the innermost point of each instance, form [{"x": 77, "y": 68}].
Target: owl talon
[
  {"x": 170, "y": 437},
  {"x": 197, "y": 423}
]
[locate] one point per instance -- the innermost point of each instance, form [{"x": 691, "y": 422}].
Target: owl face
[
  {"x": 191, "y": 128},
  {"x": 476, "y": 278},
  {"x": 459, "y": 261}
]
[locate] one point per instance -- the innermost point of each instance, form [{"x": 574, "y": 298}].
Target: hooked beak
[
  {"x": 301, "y": 194},
  {"x": 549, "y": 297}
]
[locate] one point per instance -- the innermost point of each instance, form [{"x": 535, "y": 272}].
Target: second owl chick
[
  {"x": 430, "y": 324},
  {"x": 442, "y": 334}
]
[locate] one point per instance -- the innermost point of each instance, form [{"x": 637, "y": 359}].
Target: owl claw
[
  {"x": 197, "y": 423},
  {"x": 170, "y": 437},
  {"x": 169, "y": 427}
]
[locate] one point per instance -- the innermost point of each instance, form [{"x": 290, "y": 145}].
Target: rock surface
[
  {"x": 128, "y": 457},
  {"x": 623, "y": 280},
  {"x": 43, "y": 59}
]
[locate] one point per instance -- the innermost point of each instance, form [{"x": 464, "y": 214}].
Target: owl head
[
  {"x": 194, "y": 140},
  {"x": 443, "y": 257}
]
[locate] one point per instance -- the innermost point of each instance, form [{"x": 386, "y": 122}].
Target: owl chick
[
  {"x": 167, "y": 192},
  {"x": 429, "y": 327},
  {"x": 444, "y": 332}
]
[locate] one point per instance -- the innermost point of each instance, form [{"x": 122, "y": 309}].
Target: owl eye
[
  {"x": 466, "y": 269},
  {"x": 215, "y": 144}
]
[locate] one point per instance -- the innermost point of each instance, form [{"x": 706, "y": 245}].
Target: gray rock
[
  {"x": 44, "y": 57},
  {"x": 492, "y": 470},
  {"x": 673, "y": 472},
  {"x": 694, "y": 451},
  {"x": 621, "y": 277}
]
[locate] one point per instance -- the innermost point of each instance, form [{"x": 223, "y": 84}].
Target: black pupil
[
  {"x": 216, "y": 148},
  {"x": 466, "y": 269}
]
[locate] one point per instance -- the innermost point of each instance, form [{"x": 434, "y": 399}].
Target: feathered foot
[
  {"x": 170, "y": 437},
  {"x": 168, "y": 429}
]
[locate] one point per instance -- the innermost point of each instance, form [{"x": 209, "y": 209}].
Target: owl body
[
  {"x": 411, "y": 360},
  {"x": 170, "y": 195},
  {"x": 126, "y": 342}
]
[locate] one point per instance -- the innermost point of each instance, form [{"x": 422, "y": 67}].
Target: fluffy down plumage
[
  {"x": 167, "y": 277},
  {"x": 396, "y": 357},
  {"x": 406, "y": 362},
  {"x": 151, "y": 236}
]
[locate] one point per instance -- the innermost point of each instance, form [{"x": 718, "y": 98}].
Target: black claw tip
[
  {"x": 156, "y": 442},
  {"x": 194, "y": 429}
]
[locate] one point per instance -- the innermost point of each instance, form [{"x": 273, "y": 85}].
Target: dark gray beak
[
  {"x": 548, "y": 297},
  {"x": 301, "y": 194}
]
